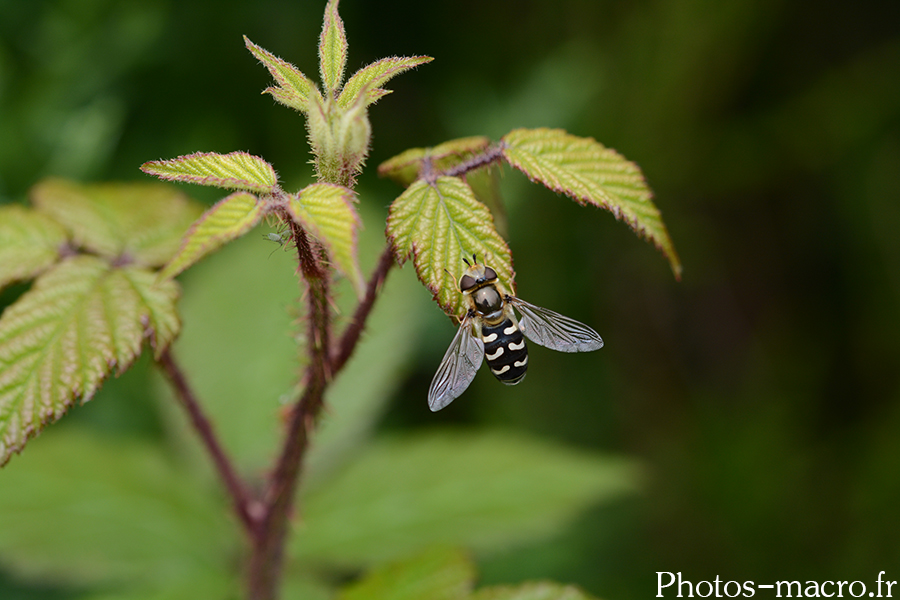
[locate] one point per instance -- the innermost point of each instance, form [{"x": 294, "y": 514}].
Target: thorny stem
[
  {"x": 244, "y": 506},
  {"x": 265, "y": 519},
  {"x": 268, "y": 545}
]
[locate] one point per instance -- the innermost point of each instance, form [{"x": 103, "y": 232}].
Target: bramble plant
[{"x": 104, "y": 258}]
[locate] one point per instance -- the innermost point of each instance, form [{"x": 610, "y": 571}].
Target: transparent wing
[
  {"x": 555, "y": 331},
  {"x": 457, "y": 369}
]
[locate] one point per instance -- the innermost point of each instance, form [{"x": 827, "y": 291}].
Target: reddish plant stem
[
  {"x": 491, "y": 155},
  {"x": 268, "y": 545},
  {"x": 351, "y": 335},
  {"x": 266, "y": 519},
  {"x": 243, "y": 504}
]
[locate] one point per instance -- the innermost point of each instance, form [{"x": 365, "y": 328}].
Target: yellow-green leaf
[
  {"x": 294, "y": 88},
  {"x": 81, "y": 321},
  {"x": 590, "y": 173},
  {"x": 29, "y": 243},
  {"x": 161, "y": 322},
  {"x": 439, "y": 224},
  {"x": 438, "y": 574},
  {"x": 332, "y": 48},
  {"x": 228, "y": 219},
  {"x": 327, "y": 212},
  {"x": 233, "y": 171},
  {"x": 140, "y": 222},
  {"x": 406, "y": 167},
  {"x": 370, "y": 78}
]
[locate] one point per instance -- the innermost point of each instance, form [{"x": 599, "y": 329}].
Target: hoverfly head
[{"x": 476, "y": 276}]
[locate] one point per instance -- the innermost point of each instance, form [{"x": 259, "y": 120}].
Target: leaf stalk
[
  {"x": 244, "y": 505},
  {"x": 492, "y": 155}
]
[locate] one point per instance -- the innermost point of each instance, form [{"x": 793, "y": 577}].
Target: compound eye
[
  {"x": 489, "y": 274},
  {"x": 467, "y": 282}
]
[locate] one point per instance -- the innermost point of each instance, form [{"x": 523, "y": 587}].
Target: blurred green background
[{"x": 760, "y": 394}]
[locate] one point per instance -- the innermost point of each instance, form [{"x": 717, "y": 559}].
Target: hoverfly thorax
[{"x": 482, "y": 291}]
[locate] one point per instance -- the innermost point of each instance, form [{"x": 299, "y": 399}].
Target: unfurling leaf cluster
[
  {"x": 439, "y": 219},
  {"x": 93, "y": 251},
  {"x": 337, "y": 115},
  {"x": 339, "y": 134}
]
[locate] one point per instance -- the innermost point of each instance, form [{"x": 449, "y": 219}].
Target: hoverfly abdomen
[{"x": 505, "y": 351}]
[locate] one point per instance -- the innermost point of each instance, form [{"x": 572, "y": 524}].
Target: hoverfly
[{"x": 489, "y": 330}]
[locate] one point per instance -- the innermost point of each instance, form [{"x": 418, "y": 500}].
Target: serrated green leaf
[
  {"x": 294, "y": 88},
  {"x": 327, "y": 212},
  {"x": 590, "y": 173},
  {"x": 139, "y": 222},
  {"x": 538, "y": 590},
  {"x": 332, "y": 49},
  {"x": 81, "y": 321},
  {"x": 437, "y": 225},
  {"x": 161, "y": 322},
  {"x": 482, "y": 491},
  {"x": 438, "y": 574},
  {"x": 406, "y": 167},
  {"x": 228, "y": 219},
  {"x": 117, "y": 512},
  {"x": 29, "y": 243},
  {"x": 233, "y": 171},
  {"x": 370, "y": 78}
]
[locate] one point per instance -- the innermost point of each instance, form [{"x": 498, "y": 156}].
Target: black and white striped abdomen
[{"x": 505, "y": 351}]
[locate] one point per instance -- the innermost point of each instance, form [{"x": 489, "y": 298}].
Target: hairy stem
[
  {"x": 245, "y": 507},
  {"x": 491, "y": 155},
  {"x": 268, "y": 547},
  {"x": 270, "y": 532}
]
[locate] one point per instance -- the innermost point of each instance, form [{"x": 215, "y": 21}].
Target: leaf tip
[
  {"x": 151, "y": 167},
  {"x": 676, "y": 268}
]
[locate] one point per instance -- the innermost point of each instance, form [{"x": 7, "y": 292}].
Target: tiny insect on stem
[{"x": 280, "y": 238}]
